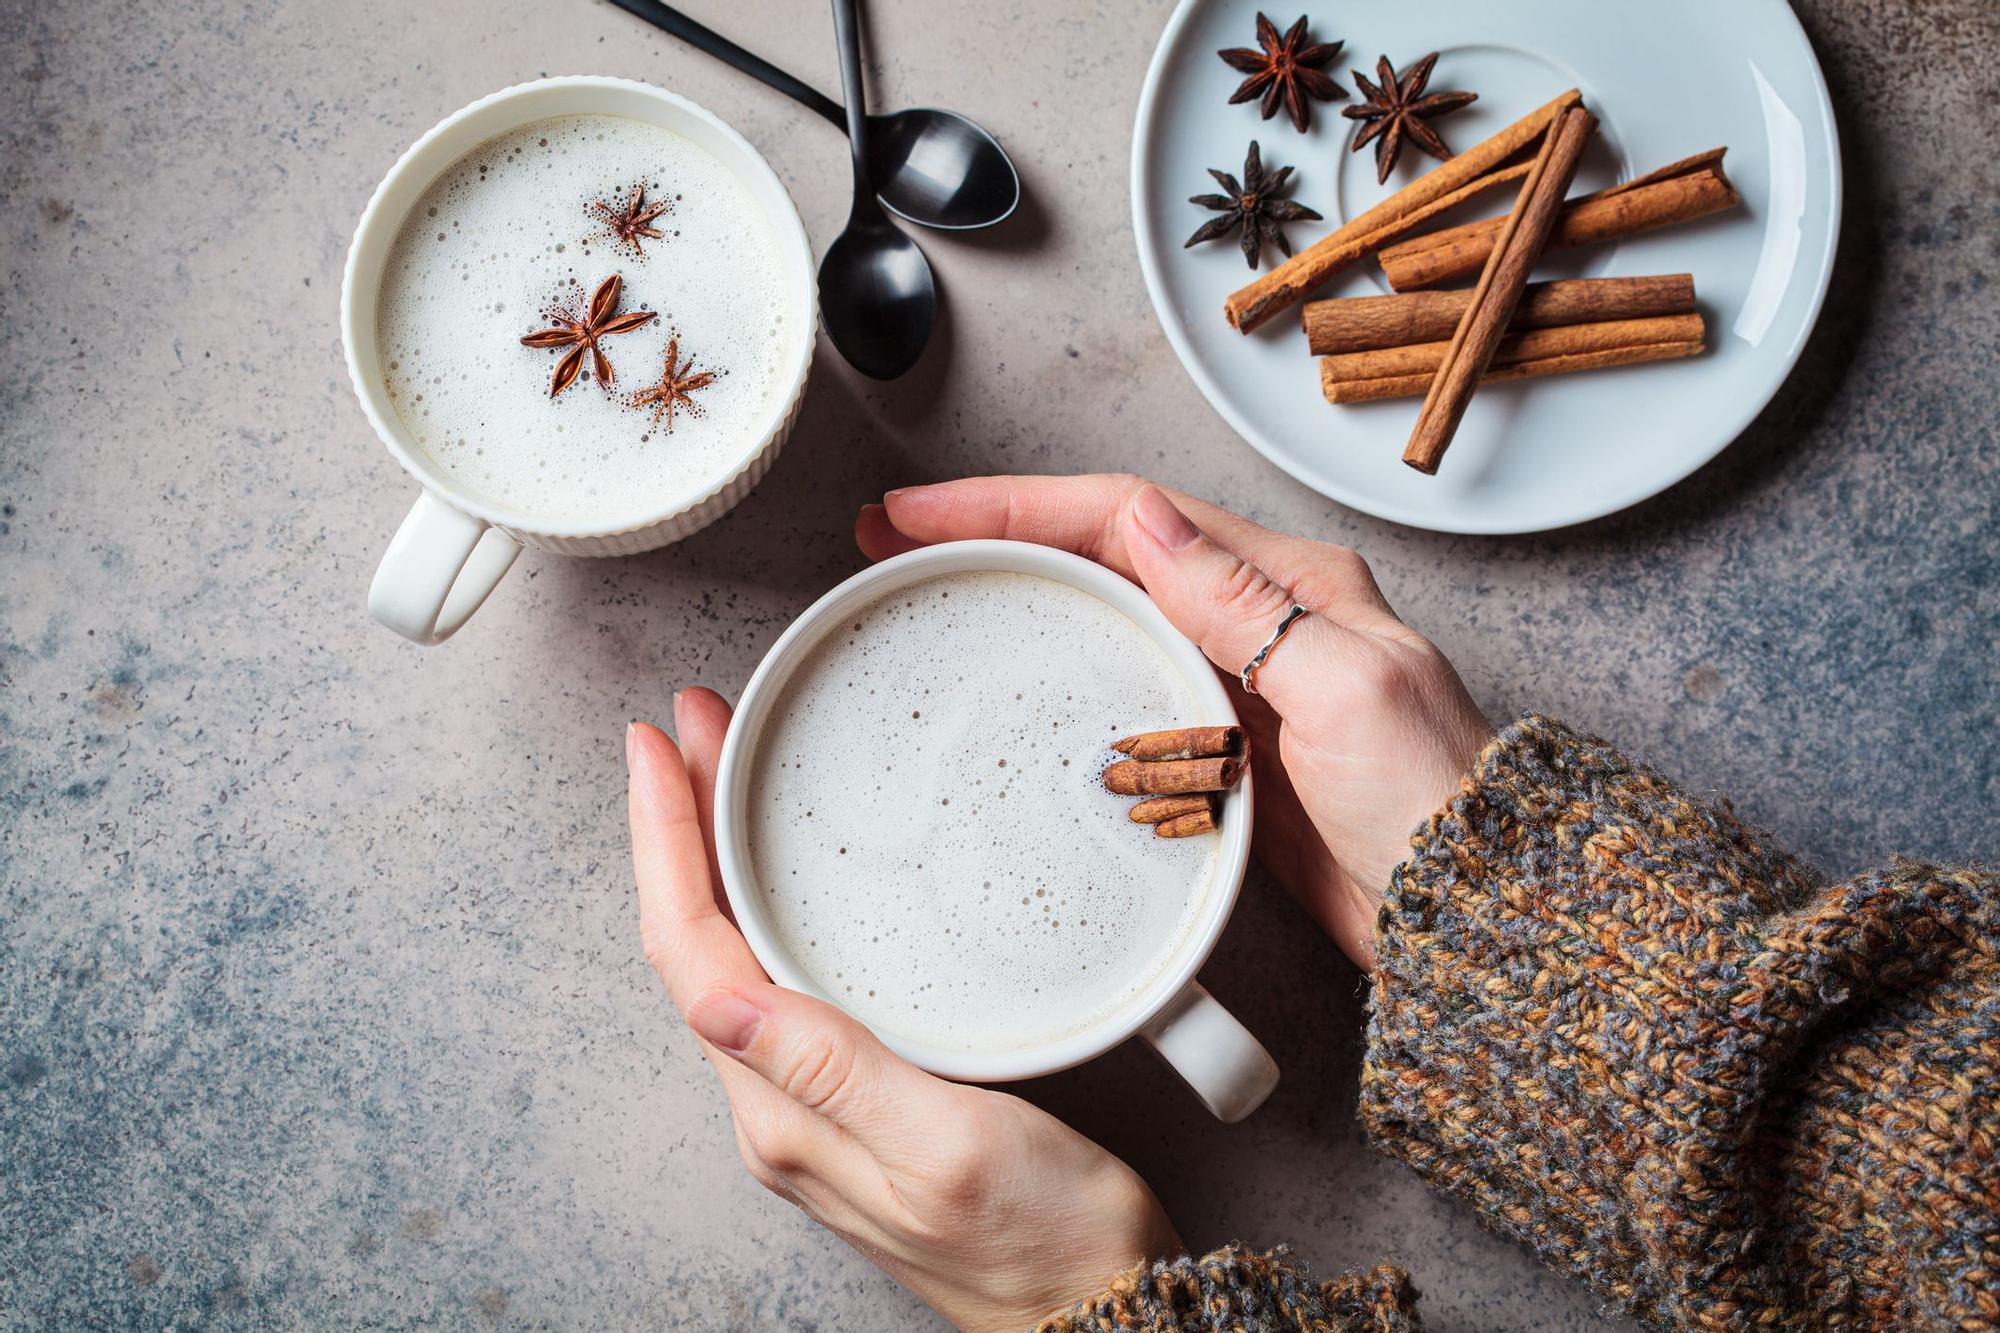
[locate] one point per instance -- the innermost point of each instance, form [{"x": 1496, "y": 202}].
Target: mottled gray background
[{"x": 320, "y": 996}]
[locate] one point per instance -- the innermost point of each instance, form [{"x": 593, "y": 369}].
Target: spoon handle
[
  {"x": 671, "y": 20},
  {"x": 847, "y": 31}
]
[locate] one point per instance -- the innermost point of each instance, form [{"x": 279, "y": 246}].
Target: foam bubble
[
  {"x": 928, "y": 827},
  {"x": 507, "y": 233}
]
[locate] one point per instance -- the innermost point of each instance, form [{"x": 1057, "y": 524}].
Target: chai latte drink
[
  {"x": 514, "y": 240},
  {"x": 927, "y": 823}
]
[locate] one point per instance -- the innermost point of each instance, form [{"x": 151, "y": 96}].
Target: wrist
[{"x": 1034, "y": 1275}]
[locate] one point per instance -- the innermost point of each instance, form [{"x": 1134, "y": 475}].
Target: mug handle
[
  {"x": 1214, "y": 1054},
  {"x": 438, "y": 569}
]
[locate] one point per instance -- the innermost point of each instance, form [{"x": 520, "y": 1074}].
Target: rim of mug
[
  {"x": 388, "y": 425},
  {"x": 1212, "y": 706}
]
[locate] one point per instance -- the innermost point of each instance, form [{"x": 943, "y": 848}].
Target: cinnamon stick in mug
[
  {"x": 1368, "y": 323},
  {"x": 1172, "y": 777},
  {"x": 1499, "y": 290},
  {"x": 1691, "y": 188},
  {"x": 1188, "y": 825},
  {"x": 1160, "y": 809},
  {"x": 1182, "y": 743},
  {"x": 1478, "y": 168}
]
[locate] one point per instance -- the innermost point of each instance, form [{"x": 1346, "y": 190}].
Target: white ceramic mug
[
  {"x": 455, "y": 547},
  {"x": 1218, "y": 1057}
]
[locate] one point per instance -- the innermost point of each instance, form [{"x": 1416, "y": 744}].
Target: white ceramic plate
[{"x": 1665, "y": 81}]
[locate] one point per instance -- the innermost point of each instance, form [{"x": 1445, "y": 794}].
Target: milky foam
[
  {"x": 506, "y": 235},
  {"x": 928, "y": 827}
]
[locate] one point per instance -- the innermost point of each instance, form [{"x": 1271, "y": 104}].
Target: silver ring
[{"x": 1250, "y": 668}]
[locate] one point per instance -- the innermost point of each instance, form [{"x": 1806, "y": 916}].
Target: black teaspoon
[
  {"x": 875, "y": 289},
  {"x": 935, "y": 168}
]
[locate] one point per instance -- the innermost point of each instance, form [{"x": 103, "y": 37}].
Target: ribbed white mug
[
  {"x": 454, "y": 547},
  {"x": 1217, "y": 1056}
]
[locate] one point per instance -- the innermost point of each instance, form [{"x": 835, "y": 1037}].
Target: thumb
[
  {"x": 1228, "y": 606},
  {"x": 821, "y": 1058}
]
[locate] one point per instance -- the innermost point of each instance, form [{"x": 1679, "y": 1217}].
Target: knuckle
[
  {"x": 962, "y": 1155},
  {"x": 1336, "y": 579},
  {"x": 754, "y": 1162},
  {"x": 762, "y": 1172},
  {"x": 1348, "y": 564},
  {"x": 963, "y": 1183},
  {"x": 783, "y": 1188},
  {"x": 1381, "y": 679},
  {"x": 818, "y": 1072},
  {"x": 772, "y": 1156},
  {"x": 1123, "y": 487},
  {"x": 1245, "y": 591}
]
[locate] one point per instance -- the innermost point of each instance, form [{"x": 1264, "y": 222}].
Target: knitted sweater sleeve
[
  {"x": 1657, "y": 1049},
  {"x": 1238, "y": 1290}
]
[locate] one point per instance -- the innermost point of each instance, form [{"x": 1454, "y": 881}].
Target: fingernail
[
  {"x": 1165, "y": 524},
  {"x": 725, "y": 1019},
  {"x": 631, "y": 741},
  {"x": 899, "y": 491}
]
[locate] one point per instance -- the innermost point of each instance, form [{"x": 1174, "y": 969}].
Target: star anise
[
  {"x": 1252, "y": 205},
  {"x": 601, "y": 320},
  {"x": 1284, "y": 71},
  {"x": 632, "y": 222},
  {"x": 1395, "y": 110},
  {"x": 675, "y": 388}
]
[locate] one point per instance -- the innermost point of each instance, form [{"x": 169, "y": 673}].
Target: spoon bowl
[
  {"x": 940, "y": 170},
  {"x": 934, "y": 168},
  {"x": 877, "y": 297}
]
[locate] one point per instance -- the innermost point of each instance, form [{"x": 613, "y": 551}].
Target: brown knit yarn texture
[
  {"x": 1238, "y": 1290},
  {"x": 1640, "y": 1038}
]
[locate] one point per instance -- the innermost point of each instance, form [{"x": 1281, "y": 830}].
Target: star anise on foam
[
  {"x": 1252, "y": 205},
  {"x": 600, "y": 320},
  {"x": 632, "y": 222},
  {"x": 675, "y": 388},
  {"x": 1284, "y": 71},
  {"x": 1395, "y": 110}
]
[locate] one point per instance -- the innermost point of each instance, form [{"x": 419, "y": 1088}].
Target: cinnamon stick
[
  {"x": 1188, "y": 825},
  {"x": 1159, "y": 809},
  {"x": 1366, "y": 323},
  {"x": 1498, "y": 291},
  {"x": 1172, "y": 777},
  {"x": 1529, "y": 345},
  {"x": 1691, "y": 188},
  {"x": 1527, "y": 369},
  {"x": 1182, "y": 743},
  {"x": 1476, "y": 169}
]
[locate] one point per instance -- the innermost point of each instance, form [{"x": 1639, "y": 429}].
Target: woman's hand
[
  {"x": 991, "y": 1211},
  {"x": 1360, "y": 729}
]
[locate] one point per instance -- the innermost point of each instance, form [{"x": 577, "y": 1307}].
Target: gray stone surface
[{"x": 320, "y": 996}]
